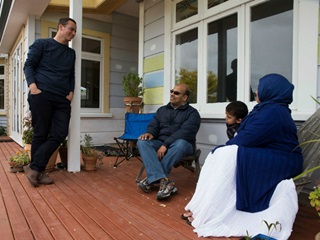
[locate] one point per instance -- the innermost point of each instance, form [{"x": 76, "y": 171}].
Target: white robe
[{"x": 214, "y": 202}]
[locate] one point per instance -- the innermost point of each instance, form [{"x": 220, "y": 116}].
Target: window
[
  {"x": 271, "y": 39},
  {"x": 186, "y": 60},
  {"x": 224, "y": 47}
]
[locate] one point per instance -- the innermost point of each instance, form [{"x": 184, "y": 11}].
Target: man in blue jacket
[
  {"x": 170, "y": 136},
  {"x": 49, "y": 71}
]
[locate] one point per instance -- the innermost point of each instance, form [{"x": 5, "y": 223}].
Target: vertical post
[{"x": 75, "y": 12}]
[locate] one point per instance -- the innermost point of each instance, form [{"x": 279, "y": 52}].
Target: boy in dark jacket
[{"x": 235, "y": 112}]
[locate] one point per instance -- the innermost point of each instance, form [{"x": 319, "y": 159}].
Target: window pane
[
  {"x": 271, "y": 40},
  {"x": 186, "y": 70},
  {"x": 1, "y": 94},
  {"x": 1, "y": 70},
  {"x": 222, "y": 60},
  {"x": 91, "y": 45},
  {"x": 90, "y": 84},
  {"x": 186, "y": 9},
  {"x": 212, "y": 3}
]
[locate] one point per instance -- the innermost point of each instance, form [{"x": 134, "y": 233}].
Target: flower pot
[
  {"x": 133, "y": 104},
  {"x": 89, "y": 163},
  {"x": 27, "y": 148},
  {"x": 262, "y": 237},
  {"x": 52, "y": 161},
  {"x": 63, "y": 152}
]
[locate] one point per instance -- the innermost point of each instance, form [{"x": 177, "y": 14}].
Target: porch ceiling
[
  {"x": 89, "y": 6},
  {"x": 21, "y": 9},
  {"x": 18, "y": 14}
]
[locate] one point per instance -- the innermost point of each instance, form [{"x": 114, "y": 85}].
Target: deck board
[{"x": 103, "y": 204}]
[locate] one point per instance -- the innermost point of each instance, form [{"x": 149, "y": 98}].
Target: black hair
[
  {"x": 237, "y": 109},
  {"x": 64, "y": 21}
]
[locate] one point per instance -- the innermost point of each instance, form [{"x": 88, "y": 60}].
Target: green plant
[
  {"x": 88, "y": 149},
  {"x": 131, "y": 83},
  {"x": 27, "y": 134},
  {"x": 3, "y": 131},
  {"x": 272, "y": 226},
  {"x": 314, "y": 198},
  {"x": 64, "y": 143},
  {"x": 20, "y": 159}
]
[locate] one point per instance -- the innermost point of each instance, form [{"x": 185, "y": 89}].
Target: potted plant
[
  {"x": 90, "y": 155},
  {"x": 63, "y": 152},
  {"x": 314, "y": 198},
  {"x": 27, "y": 134},
  {"x": 19, "y": 160},
  {"x": 133, "y": 92}
]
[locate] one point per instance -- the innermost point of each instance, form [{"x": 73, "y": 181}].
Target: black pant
[{"x": 50, "y": 120}]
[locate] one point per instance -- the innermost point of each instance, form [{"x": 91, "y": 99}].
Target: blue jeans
[
  {"x": 50, "y": 121},
  {"x": 156, "y": 169}
]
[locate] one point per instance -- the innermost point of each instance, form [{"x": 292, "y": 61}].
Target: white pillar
[{"x": 75, "y": 12}]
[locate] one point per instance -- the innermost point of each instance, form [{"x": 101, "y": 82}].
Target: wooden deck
[{"x": 104, "y": 204}]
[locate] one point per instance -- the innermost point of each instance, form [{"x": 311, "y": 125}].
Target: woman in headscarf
[{"x": 248, "y": 180}]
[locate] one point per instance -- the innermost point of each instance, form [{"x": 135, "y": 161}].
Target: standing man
[
  {"x": 49, "y": 71},
  {"x": 169, "y": 136}
]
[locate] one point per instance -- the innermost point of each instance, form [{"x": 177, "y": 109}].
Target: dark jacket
[{"x": 170, "y": 124}]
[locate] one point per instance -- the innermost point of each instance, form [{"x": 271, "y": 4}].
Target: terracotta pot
[
  {"x": 51, "y": 165},
  {"x": 133, "y": 104},
  {"x": 89, "y": 163},
  {"x": 27, "y": 148},
  {"x": 63, "y": 152}
]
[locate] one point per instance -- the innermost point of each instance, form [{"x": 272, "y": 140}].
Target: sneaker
[
  {"x": 145, "y": 186},
  {"x": 44, "y": 179},
  {"x": 167, "y": 187}
]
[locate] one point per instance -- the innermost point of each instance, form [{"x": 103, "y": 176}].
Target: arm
[{"x": 32, "y": 62}]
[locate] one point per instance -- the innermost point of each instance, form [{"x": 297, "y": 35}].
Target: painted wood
[
  {"x": 149, "y": 4},
  {"x": 125, "y": 55},
  {"x": 153, "y": 79},
  {"x": 154, "y": 13},
  {"x": 153, "y": 63},
  {"x": 153, "y": 96},
  {"x": 154, "y": 29},
  {"x": 109, "y": 201},
  {"x": 154, "y": 46}
]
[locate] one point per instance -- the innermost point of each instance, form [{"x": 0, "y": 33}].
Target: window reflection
[
  {"x": 222, "y": 60},
  {"x": 90, "y": 84},
  {"x": 186, "y": 61},
  {"x": 186, "y": 9},
  {"x": 213, "y": 3},
  {"x": 271, "y": 40}
]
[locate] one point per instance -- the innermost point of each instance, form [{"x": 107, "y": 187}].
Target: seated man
[{"x": 169, "y": 136}]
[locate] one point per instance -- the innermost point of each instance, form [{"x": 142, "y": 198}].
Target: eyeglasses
[{"x": 175, "y": 92}]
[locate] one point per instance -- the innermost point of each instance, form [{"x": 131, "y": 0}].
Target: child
[{"x": 235, "y": 112}]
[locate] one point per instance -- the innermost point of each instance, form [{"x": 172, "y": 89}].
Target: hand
[
  {"x": 161, "y": 152},
  {"x": 146, "y": 136},
  {"x": 34, "y": 89},
  {"x": 70, "y": 96}
]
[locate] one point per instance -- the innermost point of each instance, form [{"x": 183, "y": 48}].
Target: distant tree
[{"x": 190, "y": 78}]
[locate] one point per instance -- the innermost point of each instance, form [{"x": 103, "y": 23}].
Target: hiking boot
[
  {"x": 32, "y": 175},
  {"x": 145, "y": 186},
  {"x": 44, "y": 179},
  {"x": 167, "y": 187}
]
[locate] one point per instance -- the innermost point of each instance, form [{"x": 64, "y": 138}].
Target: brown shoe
[
  {"x": 32, "y": 175},
  {"x": 43, "y": 178}
]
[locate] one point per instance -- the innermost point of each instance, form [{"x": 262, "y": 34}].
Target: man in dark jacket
[
  {"x": 49, "y": 71},
  {"x": 170, "y": 136}
]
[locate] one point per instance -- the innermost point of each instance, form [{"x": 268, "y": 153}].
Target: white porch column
[{"x": 75, "y": 12}]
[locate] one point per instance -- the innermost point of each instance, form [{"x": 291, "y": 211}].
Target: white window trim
[
  {"x": 305, "y": 50},
  {"x": 2, "y": 77}
]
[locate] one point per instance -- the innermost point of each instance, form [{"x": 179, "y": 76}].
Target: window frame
[
  {"x": 305, "y": 13},
  {"x": 2, "y": 77}
]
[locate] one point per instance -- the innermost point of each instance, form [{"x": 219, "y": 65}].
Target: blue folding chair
[{"x": 135, "y": 125}]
